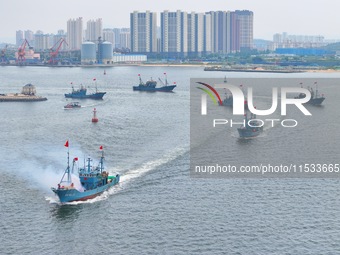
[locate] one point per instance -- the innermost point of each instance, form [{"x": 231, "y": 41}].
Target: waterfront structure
[
  {"x": 129, "y": 58},
  {"x": 94, "y": 30},
  {"x": 143, "y": 27},
  {"x": 75, "y": 33},
  {"x": 88, "y": 53},
  {"x": 105, "y": 52}
]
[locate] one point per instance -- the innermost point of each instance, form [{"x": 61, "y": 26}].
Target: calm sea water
[{"x": 157, "y": 208}]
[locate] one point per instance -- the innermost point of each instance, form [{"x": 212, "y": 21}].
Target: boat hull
[
  {"x": 98, "y": 95},
  {"x": 168, "y": 88},
  {"x": 249, "y": 132},
  {"x": 71, "y": 195},
  {"x": 316, "y": 101}
]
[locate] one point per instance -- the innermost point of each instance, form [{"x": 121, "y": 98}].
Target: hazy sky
[{"x": 308, "y": 17}]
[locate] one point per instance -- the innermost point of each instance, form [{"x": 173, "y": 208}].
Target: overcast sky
[{"x": 307, "y": 17}]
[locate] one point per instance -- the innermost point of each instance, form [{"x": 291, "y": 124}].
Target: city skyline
[{"x": 311, "y": 17}]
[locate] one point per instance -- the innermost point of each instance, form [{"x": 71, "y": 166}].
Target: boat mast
[
  {"x": 95, "y": 84},
  {"x": 166, "y": 79},
  {"x": 101, "y": 159},
  {"x": 316, "y": 89},
  {"x": 68, "y": 164}
]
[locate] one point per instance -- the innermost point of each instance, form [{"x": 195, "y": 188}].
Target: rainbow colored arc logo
[{"x": 209, "y": 92}]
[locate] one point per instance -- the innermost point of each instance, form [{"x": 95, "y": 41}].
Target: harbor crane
[
  {"x": 54, "y": 53},
  {"x": 3, "y": 55},
  {"x": 21, "y": 52}
]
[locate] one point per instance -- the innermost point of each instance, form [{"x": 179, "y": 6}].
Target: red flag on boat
[
  {"x": 66, "y": 144},
  {"x": 101, "y": 147},
  {"x": 138, "y": 74},
  {"x": 75, "y": 159}
]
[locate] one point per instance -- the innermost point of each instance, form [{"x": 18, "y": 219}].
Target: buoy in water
[{"x": 94, "y": 119}]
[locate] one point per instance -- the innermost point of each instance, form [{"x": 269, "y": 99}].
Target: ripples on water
[{"x": 157, "y": 208}]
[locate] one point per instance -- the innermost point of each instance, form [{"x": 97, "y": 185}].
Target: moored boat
[{"x": 90, "y": 182}]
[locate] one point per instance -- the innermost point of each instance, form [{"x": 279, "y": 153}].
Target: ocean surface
[{"x": 157, "y": 208}]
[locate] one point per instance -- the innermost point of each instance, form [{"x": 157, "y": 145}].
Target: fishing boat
[
  {"x": 228, "y": 100},
  {"x": 251, "y": 128},
  {"x": 81, "y": 93},
  {"x": 90, "y": 181},
  {"x": 315, "y": 99},
  {"x": 72, "y": 105},
  {"x": 151, "y": 85}
]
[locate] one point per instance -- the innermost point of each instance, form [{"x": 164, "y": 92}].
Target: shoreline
[{"x": 189, "y": 65}]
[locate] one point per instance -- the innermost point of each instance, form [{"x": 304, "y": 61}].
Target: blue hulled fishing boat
[
  {"x": 81, "y": 93},
  {"x": 150, "y": 85},
  {"x": 90, "y": 182}
]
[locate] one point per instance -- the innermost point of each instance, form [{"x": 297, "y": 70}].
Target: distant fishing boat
[
  {"x": 150, "y": 85},
  {"x": 251, "y": 127},
  {"x": 228, "y": 100},
  {"x": 81, "y": 93},
  {"x": 315, "y": 99},
  {"x": 91, "y": 180}
]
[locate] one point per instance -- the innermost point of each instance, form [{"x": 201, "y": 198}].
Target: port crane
[
  {"x": 21, "y": 51},
  {"x": 3, "y": 55},
  {"x": 54, "y": 53}
]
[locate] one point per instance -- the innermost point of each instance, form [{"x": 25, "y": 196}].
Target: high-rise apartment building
[
  {"x": 174, "y": 33},
  {"x": 245, "y": 26},
  {"x": 75, "y": 33},
  {"x": 94, "y": 30},
  {"x": 19, "y": 37},
  {"x": 42, "y": 41},
  {"x": 109, "y": 36},
  {"x": 143, "y": 27},
  {"x": 29, "y": 36},
  {"x": 125, "y": 38}
]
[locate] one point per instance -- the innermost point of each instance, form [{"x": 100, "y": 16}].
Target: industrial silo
[
  {"x": 88, "y": 53},
  {"x": 105, "y": 53}
]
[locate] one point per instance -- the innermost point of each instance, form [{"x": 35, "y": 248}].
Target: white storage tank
[
  {"x": 105, "y": 53},
  {"x": 88, "y": 53}
]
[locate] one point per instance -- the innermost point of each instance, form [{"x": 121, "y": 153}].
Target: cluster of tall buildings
[
  {"x": 179, "y": 33},
  {"x": 184, "y": 34},
  {"x": 75, "y": 35},
  {"x": 286, "y": 40}
]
